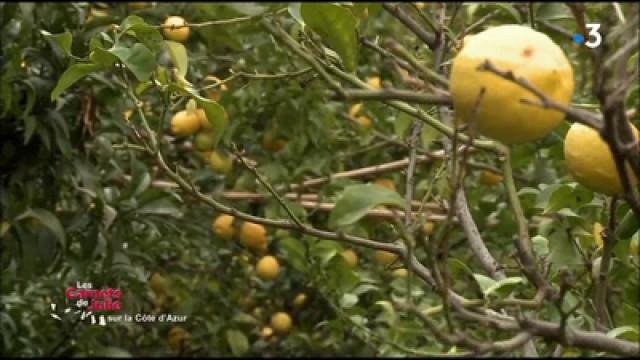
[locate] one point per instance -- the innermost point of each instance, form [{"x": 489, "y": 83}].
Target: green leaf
[
  {"x": 336, "y": 25},
  {"x": 237, "y": 342},
  {"x": 356, "y": 200},
  {"x": 552, "y": 11},
  {"x": 138, "y": 59},
  {"x": 48, "y": 220},
  {"x": 73, "y": 74},
  {"x": 294, "y": 11},
  {"x": 62, "y": 40},
  {"x": 295, "y": 253},
  {"x": 114, "y": 352},
  {"x": 102, "y": 57},
  {"x": 563, "y": 250},
  {"x": 179, "y": 56},
  {"x": 630, "y": 332},
  {"x": 485, "y": 282},
  {"x": 629, "y": 225},
  {"x": 504, "y": 287},
  {"x": 348, "y": 300}
]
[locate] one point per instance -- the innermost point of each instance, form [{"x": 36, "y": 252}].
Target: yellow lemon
[
  {"x": 350, "y": 257},
  {"x": 185, "y": 123},
  {"x": 527, "y": 53},
  {"x": 355, "y": 109},
  {"x": 490, "y": 178},
  {"x": 253, "y": 236},
  {"x": 427, "y": 227},
  {"x": 179, "y": 34},
  {"x": 590, "y": 161},
  {"x": 374, "y": 82},
  {"x": 386, "y": 183},
  {"x": 266, "y": 331},
  {"x": 281, "y": 322},
  {"x": 222, "y": 226},
  {"x": 177, "y": 336},
  {"x": 385, "y": 257},
  {"x": 299, "y": 300},
  {"x": 597, "y": 234},
  {"x": 204, "y": 121},
  {"x": 268, "y": 268},
  {"x": 400, "y": 273},
  {"x": 364, "y": 121}
]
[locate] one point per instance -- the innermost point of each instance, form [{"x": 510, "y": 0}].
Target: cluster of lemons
[{"x": 501, "y": 115}]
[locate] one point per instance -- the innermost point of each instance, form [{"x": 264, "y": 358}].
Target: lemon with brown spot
[
  {"x": 489, "y": 178},
  {"x": 590, "y": 161},
  {"x": 222, "y": 226},
  {"x": 268, "y": 268},
  {"x": 176, "y": 29},
  {"x": 529, "y": 54}
]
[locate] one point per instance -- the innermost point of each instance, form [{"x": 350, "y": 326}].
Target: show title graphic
[{"x": 94, "y": 299}]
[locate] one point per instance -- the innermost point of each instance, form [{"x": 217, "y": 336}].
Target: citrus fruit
[
  {"x": 363, "y": 120},
  {"x": 597, "y": 234},
  {"x": 350, "y": 257},
  {"x": 400, "y": 273},
  {"x": 420, "y": 5},
  {"x": 385, "y": 257},
  {"x": 273, "y": 145},
  {"x": 253, "y": 236},
  {"x": 203, "y": 141},
  {"x": 590, "y": 161},
  {"x": 185, "y": 123},
  {"x": 204, "y": 121},
  {"x": 529, "y": 54},
  {"x": 176, "y": 337},
  {"x": 179, "y": 34},
  {"x": 427, "y": 227},
  {"x": 266, "y": 331},
  {"x": 489, "y": 178},
  {"x": 386, "y": 183},
  {"x": 268, "y": 268},
  {"x": 222, "y": 226},
  {"x": 137, "y": 5},
  {"x": 374, "y": 82},
  {"x": 157, "y": 283},
  {"x": 220, "y": 163},
  {"x": 281, "y": 322},
  {"x": 299, "y": 300},
  {"x": 355, "y": 109}
]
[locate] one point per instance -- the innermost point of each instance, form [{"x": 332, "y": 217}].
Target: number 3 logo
[{"x": 594, "y": 36}]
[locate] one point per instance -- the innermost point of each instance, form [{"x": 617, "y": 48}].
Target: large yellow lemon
[
  {"x": 185, "y": 123},
  {"x": 590, "y": 161},
  {"x": 223, "y": 226},
  {"x": 179, "y": 34},
  {"x": 281, "y": 322},
  {"x": 268, "y": 268},
  {"x": 253, "y": 236},
  {"x": 529, "y": 54}
]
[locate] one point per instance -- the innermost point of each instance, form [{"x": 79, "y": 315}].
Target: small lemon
[
  {"x": 400, "y": 273},
  {"x": 281, "y": 322},
  {"x": 427, "y": 227},
  {"x": 185, "y": 123},
  {"x": 590, "y": 161},
  {"x": 597, "y": 234},
  {"x": 220, "y": 163},
  {"x": 253, "y": 236},
  {"x": 266, "y": 331},
  {"x": 179, "y": 34},
  {"x": 157, "y": 283},
  {"x": 385, "y": 257},
  {"x": 530, "y": 54},
  {"x": 386, "y": 183},
  {"x": 489, "y": 178},
  {"x": 374, "y": 82},
  {"x": 177, "y": 336},
  {"x": 222, "y": 226},
  {"x": 299, "y": 300},
  {"x": 355, "y": 109},
  {"x": 363, "y": 121},
  {"x": 268, "y": 268},
  {"x": 350, "y": 257}
]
